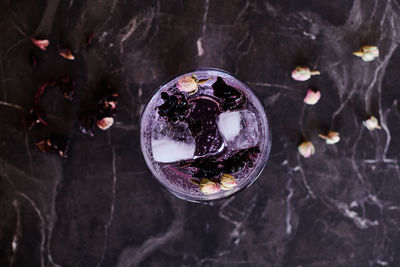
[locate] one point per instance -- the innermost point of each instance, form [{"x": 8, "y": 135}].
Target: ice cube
[
  {"x": 172, "y": 142},
  {"x": 239, "y": 129}
]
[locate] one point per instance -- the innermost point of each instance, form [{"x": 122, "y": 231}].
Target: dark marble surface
[{"x": 101, "y": 207}]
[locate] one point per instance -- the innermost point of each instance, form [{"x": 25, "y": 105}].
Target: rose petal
[
  {"x": 228, "y": 182},
  {"x": 105, "y": 123},
  {"x": 208, "y": 187},
  {"x": 306, "y": 149},
  {"x": 187, "y": 84},
  {"x": 312, "y": 97},
  {"x": 66, "y": 53},
  {"x": 331, "y": 137},
  {"x": 42, "y": 44},
  {"x": 372, "y": 123}
]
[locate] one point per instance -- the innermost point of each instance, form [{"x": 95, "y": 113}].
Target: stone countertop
[{"x": 101, "y": 207}]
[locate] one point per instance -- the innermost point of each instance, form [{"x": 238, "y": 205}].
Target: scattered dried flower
[
  {"x": 42, "y": 44},
  {"x": 209, "y": 187},
  {"x": 86, "y": 124},
  {"x": 306, "y": 149},
  {"x": 227, "y": 182},
  {"x": 187, "y": 84},
  {"x": 367, "y": 53},
  {"x": 66, "y": 53},
  {"x": 312, "y": 97},
  {"x": 303, "y": 73},
  {"x": 372, "y": 123},
  {"x": 331, "y": 137},
  {"x": 105, "y": 123},
  {"x": 35, "y": 116},
  {"x": 59, "y": 144},
  {"x": 67, "y": 87}
]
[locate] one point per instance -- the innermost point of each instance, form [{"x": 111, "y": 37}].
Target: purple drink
[{"x": 204, "y": 135}]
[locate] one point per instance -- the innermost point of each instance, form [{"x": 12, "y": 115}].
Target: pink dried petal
[
  {"x": 312, "y": 97},
  {"x": 42, "y": 44},
  {"x": 372, "y": 123},
  {"x": 331, "y": 138},
  {"x": 187, "y": 84},
  {"x": 209, "y": 187},
  {"x": 66, "y": 53},
  {"x": 228, "y": 182},
  {"x": 105, "y": 123},
  {"x": 306, "y": 149},
  {"x": 367, "y": 53},
  {"x": 303, "y": 73}
]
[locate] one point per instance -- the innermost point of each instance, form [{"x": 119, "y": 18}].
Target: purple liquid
[{"x": 176, "y": 177}]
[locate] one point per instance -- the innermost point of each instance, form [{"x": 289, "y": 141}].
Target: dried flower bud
[
  {"x": 372, "y": 123},
  {"x": 209, "y": 187},
  {"x": 105, "y": 123},
  {"x": 312, "y": 97},
  {"x": 187, "y": 84},
  {"x": 54, "y": 143},
  {"x": 66, "y": 53},
  {"x": 367, "y": 53},
  {"x": 331, "y": 137},
  {"x": 306, "y": 149},
  {"x": 35, "y": 116},
  {"x": 42, "y": 44},
  {"x": 303, "y": 73},
  {"x": 228, "y": 182}
]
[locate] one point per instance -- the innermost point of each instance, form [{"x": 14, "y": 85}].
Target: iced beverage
[{"x": 204, "y": 135}]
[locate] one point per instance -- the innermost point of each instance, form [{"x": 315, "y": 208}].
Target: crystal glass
[{"x": 204, "y": 135}]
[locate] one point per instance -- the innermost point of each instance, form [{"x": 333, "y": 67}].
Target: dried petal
[
  {"x": 372, "y": 123},
  {"x": 209, "y": 187},
  {"x": 105, "y": 123},
  {"x": 67, "y": 87},
  {"x": 66, "y": 53},
  {"x": 187, "y": 84},
  {"x": 331, "y": 137},
  {"x": 367, "y": 53},
  {"x": 312, "y": 97},
  {"x": 86, "y": 124},
  {"x": 42, "y": 44},
  {"x": 35, "y": 116},
  {"x": 54, "y": 143},
  {"x": 228, "y": 182},
  {"x": 306, "y": 149},
  {"x": 303, "y": 73}
]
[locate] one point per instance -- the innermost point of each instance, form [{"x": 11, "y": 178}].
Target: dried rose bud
[
  {"x": 42, "y": 44},
  {"x": 66, "y": 53},
  {"x": 187, "y": 84},
  {"x": 331, "y": 137},
  {"x": 228, "y": 182},
  {"x": 209, "y": 187},
  {"x": 306, "y": 149},
  {"x": 312, "y": 97},
  {"x": 54, "y": 143},
  {"x": 303, "y": 73},
  {"x": 105, "y": 123},
  {"x": 367, "y": 53},
  {"x": 372, "y": 123}
]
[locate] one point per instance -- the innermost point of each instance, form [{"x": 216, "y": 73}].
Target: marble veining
[{"x": 101, "y": 207}]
